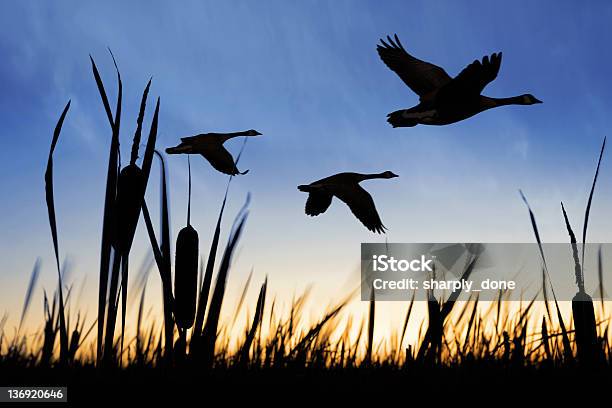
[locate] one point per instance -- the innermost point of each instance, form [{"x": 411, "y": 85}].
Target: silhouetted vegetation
[{"x": 193, "y": 337}]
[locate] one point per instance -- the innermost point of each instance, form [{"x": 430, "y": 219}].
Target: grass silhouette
[{"x": 194, "y": 342}]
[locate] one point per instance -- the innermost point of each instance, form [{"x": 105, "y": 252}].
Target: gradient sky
[{"x": 306, "y": 74}]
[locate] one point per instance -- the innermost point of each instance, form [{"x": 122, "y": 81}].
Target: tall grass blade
[
  {"x": 210, "y": 265},
  {"x": 588, "y": 207},
  {"x": 242, "y": 297},
  {"x": 53, "y": 224},
  {"x": 567, "y": 348},
  {"x": 257, "y": 319},
  {"x": 407, "y": 319},
  {"x": 29, "y": 292},
  {"x": 102, "y": 91},
  {"x": 371, "y": 322},
  {"x": 602, "y": 292},
  {"x": 212, "y": 320}
]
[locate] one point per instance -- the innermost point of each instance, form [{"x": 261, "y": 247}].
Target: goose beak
[
  {"x": 536, "y": 100},
  {"x": 257, "y": 133},
  {"x": 393, "y": 175}
]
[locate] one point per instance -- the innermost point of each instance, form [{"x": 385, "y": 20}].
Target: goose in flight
[
  {"x": 345, "y": 186},
  {"x": 443, "y": 100},
  {"x": 210, "y": 145}
]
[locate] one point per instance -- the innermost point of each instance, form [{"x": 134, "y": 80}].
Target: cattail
[
  {"x": 186, "y": 271},
  {"x": 129, "y": 197},
  {"x": 582, "y": 304},
  {"x": 186, "y": 277},
  {"x": 585, "y": 325}
]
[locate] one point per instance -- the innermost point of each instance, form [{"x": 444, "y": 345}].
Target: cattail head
[
  {"x": 186, "y": 277},
  {"x": 586, "y": 329},
  {"x": 129, "y": 197}
]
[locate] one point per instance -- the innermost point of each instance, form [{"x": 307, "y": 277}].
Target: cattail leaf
[
  {"x": 210, "y": 264},
  {"x": 165, "y": 269},
  {"x": 166, "y": 279},
  {"x": 109, "y": 220},
  {"x": 150, "y": 149},
  {"x": 154, "y": 245}
]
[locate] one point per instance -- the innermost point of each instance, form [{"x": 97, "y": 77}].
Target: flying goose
[
  {"x": 210, "y": 145},
  {"x": 345, "y": 186},
  {"x": 443, "y": 100}
]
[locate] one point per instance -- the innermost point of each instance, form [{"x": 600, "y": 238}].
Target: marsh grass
[{"x": 194, "y": 337}]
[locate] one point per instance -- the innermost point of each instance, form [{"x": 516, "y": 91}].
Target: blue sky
[{"x": 305, "y": 74}]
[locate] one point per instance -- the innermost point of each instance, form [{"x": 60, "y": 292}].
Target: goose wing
[
  {"x": 422, "y": 77},
  {"x": 222, "y": 160},
  {"x": 476, "y": 76},
  {"x": 317, "y": 203},
  {"x": 362, "y": 206}
]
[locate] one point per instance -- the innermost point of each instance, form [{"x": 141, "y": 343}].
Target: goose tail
[
  {"x": 305, "y": 188},
  {"x": 401, "y": 119},
  {"x": 178, "y": 149}
]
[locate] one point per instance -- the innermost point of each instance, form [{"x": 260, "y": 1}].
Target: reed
[
  {"x": 186, "y": 271},
  {"x": 456, "y": 334},
  {"x": 582, "y": 303},
  {"x": 186, "y": 277},
  {"x": 124, "y": 199}
]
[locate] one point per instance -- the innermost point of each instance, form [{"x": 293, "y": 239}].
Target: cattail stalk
[{"x": 186, "y": 271}]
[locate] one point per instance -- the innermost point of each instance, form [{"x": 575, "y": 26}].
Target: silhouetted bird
[
  {"x": 443, "y": 99},
  {"x": 210, "y": 145},
  {"x": 346, "y": 187}
]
